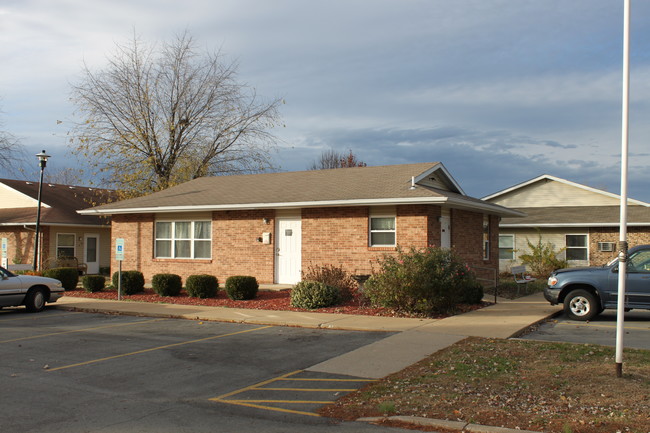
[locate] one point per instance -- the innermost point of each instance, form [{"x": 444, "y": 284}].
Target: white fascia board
[
  {"x": 454, "y": 202},
  {"x": 282, "y": 205},
  {"x": 514, "y": 187},
  {"x": 94, "y": 226},
  {"x": 486, "y": 207},
  {"x": 440, "y": 167}
]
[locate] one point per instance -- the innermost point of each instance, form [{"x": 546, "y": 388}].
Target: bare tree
[
  {"x": 333, "y": 159},
  {"x": 158, "y": 117},
  {"x": 12, "y": 154}
]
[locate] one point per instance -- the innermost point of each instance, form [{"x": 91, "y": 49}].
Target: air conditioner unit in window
[{"x": 606, "y": 246}]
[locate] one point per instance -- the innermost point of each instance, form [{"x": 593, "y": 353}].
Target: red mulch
[{"x": 265, "y": 300}]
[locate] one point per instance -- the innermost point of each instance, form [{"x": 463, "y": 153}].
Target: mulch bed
[{"x": 265, "y": 300}]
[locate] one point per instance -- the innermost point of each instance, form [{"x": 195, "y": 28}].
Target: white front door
[
  {"x": 445, "y": 231},
  {"x": 91, "y": 253},
  {"x": 288, "y": 250}
]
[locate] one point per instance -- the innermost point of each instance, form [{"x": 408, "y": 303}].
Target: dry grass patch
[{"x": 530, "y": 385}]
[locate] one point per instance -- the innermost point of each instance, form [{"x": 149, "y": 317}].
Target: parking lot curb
[{"x": 461, "y": 426}]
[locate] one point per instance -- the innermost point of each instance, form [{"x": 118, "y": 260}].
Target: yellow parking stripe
[
  {"x": 80, "y": 330},
  {"x": 138, "y": 352},
  {"x": 34, "y": 317},
  {"x": 274, "y": 409},
  {"x": 261, "y": 386}
]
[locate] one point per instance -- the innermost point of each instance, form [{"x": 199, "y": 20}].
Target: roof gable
[
  {"x": 13, "y": 198},
  {"x": 550, "y": 191}
]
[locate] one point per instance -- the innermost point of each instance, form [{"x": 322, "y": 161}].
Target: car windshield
[
  {"x": 6, "y": 273},
  {"x": 614, "y": 260}
]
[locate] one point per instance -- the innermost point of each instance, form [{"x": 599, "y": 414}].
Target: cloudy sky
[{"x": 500, "y": 91}]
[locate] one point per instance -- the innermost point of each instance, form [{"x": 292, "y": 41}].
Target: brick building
[
  {"x": 62, "y": 231},
  {"x": 583, "y": 221},
  {"x": 274, "y": 226}
]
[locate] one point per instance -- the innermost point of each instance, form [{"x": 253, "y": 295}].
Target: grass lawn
[{"x": 551, "y": 387}]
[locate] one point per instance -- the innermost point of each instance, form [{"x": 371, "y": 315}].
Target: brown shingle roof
[
  {"x": 63, "y": 202},
  {"x": 577, "y": 216},
  {"x": 343, "y": 186}
]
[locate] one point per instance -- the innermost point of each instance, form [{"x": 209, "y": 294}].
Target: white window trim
[
  {"x": 514, "y": 246},
  {"x": 173, "y": 238},
  {"x": 74, "y": 243},
  {"x": 586, "y": 247},
  {"x": 371, "y": 231},
  {"x": 486, "y": 242}
]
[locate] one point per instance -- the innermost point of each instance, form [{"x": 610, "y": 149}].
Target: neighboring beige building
[
  {"x": 569, "y": 215},
  {"x": 62, "y": 233}
]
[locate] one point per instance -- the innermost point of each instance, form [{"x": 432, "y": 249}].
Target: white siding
[
  {"x": 551, "y": 193},
  {"x": 10, "y": 198}
]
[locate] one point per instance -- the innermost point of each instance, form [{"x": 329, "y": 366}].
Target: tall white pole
[{"x": 622, "y": 254}]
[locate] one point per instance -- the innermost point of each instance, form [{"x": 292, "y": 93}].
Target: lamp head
[{"x": 42, "y": 158}]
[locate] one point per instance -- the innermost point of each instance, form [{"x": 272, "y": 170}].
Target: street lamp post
[{"x": 42, "y": 162}]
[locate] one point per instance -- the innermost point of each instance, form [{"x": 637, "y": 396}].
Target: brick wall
[
  {"x": 20, "y": 244},
  {"x": 635, "y": 236},
  {"x": 334, "y": 236},
  {"x": 467, "y": 241}
]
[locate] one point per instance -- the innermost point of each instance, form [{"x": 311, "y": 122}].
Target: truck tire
[{"x": 581, "y": 305}]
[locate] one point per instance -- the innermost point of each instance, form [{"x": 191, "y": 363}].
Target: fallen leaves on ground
[{"x": 552, "y": 387}]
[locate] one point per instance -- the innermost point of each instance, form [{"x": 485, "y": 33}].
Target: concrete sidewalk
[{"x": 414, "y": 338}]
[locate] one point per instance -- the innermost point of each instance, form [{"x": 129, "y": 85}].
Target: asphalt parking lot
[
  {"x": 79, "y": 372},
  {"x": 601, "y": 330}
]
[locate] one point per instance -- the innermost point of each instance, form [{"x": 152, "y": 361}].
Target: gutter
[{"x": 460, "y": 203}]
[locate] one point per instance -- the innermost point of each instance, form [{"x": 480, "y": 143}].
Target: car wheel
[
  {"x": 581, "y": 305},
  {"x": 35, "y": 300}
]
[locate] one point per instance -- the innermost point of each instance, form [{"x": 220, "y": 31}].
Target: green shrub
[
  {"x": 93, "y": 283},
  {"x": 314, "y": 294},
  {"x": 202, "y": 286},
  {"x": 331, "y": 275},
  {"x": 105, "y": 270},
  {"x": 69, "y": 277},
  {"x": 240, "y": 287},
  {"x": 542, "y": 259},
  {"x": 472, "y": 293},
  {"x": 428, "y": 281},
  {"x": 132, "y": 282},
  {"x": 167, "y": 284}
]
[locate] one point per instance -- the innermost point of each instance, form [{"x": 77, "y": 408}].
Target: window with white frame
[
  {"x": 486, "y": 237},
  {"x": 65, "y": 244},
  {"x": 577, "y": 247},
  {"x": 382, "y": 231},
  {"x": 184, "y": 239},
  {"x": 506, "y": 247}
]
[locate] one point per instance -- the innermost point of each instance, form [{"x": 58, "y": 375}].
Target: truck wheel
[{"x": 581, "y": 305}]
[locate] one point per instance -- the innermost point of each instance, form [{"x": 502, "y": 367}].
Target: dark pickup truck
[{"x": 586, "y": 292}]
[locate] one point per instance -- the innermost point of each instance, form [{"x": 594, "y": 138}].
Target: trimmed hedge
[
  {"x": 241, "y": 287},
  {"x": 69, "y": 277},
  {"x": 202, "y": 286},
  {"x": 314, "y": 294},
  {"x": 93, "y": 283},
  {"x": 167, "y": 284},
  {"x": 132, "y": 282}
]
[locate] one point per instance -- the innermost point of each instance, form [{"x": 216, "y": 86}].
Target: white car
[{"x": 28, "y": 290}]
